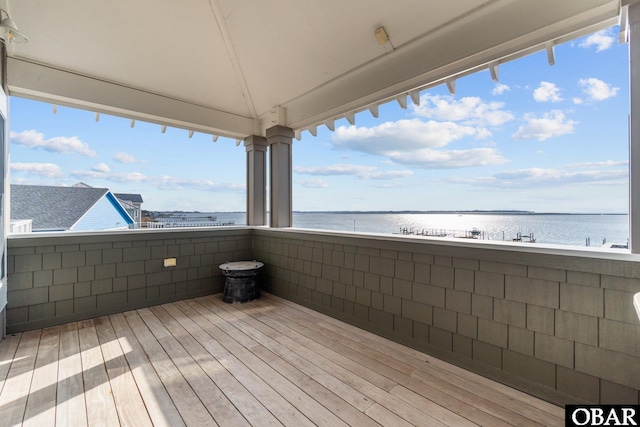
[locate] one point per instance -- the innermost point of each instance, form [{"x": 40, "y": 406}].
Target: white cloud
[
  {"x": 546, "y": 177},
  {"x": 420, "y": 143},
  {"x": 547, "y": 92},
  {"x": 449, "y": 159},
  {"x": 384, "y": 175},
  {"x": 415, "y": 143},
  {"x": 608, "y": 163},
  {"x": 58, "y": 144},
  {"x": 577, "y": 101},
  {"x": 163, "y": 182},
  {"x": 597, "y": 90},
  {"x": 361, "y": 171},
  {"x": 98, "y": 173},
  {"x": 550, "y": 124},
  {"x": 312, "y": 183},
  {"x": 601, "y": 40},
  {"x": 334, "y": 170},
  {"x": 500, "y": 88},
  {"x": 49, "y": 170},
  {"x": 470, "y": 110},
  {"x": 167, "y": 182},
  {"x": 101, "y": 167},
  {"x": 122, "y": 157},
  {"x": 401, "y": 135}
]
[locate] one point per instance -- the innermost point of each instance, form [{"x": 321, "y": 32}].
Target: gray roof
[
  {"x": 53, "y": 208},
  {"x": 135, "y": 198}
]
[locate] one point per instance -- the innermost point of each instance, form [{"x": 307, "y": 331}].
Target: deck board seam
[
  {"x": 539, "y": 408},
  {"x": 236, "y": 391},
  {"x": 281, "y": 385},
  {"x": 377, "y": 394},
  {"x": 276, "y": 405},
  {"x": 266, "y": 362},
  {"x": 295, "y": 365}
]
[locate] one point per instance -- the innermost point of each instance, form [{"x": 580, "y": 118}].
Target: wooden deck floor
[{"x": 269, "y": 362}]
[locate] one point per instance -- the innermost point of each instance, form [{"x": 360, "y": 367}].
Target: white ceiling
[{"x": 237, "y": 67}]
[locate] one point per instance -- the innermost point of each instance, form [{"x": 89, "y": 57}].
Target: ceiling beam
[
  {"x": 425, "y": 63},
  {"x": 233, "y": 55},
  {"x": 35, "y": 81}
]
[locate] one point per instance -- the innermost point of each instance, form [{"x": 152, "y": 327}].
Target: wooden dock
[{"x": 270, "y": 362}]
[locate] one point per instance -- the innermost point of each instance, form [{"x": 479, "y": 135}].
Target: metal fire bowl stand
[{"x": 240, "y": 284}]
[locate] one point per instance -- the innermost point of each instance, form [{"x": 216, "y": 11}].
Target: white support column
[
  {"x": 280, "y": 203},
  {"x": 256, "y": 179},
  {"x": 5, "y": 194},
  {"x": 634, "y": 127}
]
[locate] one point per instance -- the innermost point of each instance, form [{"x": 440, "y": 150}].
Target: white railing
[
  {"x": 181, "y": 224},
  {"x": 20, "y": 226}
]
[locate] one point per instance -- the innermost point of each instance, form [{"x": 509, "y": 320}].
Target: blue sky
[{"x": 543, "y": 138}]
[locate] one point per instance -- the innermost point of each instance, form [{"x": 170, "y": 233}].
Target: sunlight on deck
[{"x": 268, "y": 362}]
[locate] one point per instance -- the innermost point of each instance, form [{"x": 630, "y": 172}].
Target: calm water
[{"x": 547, "y": 228}]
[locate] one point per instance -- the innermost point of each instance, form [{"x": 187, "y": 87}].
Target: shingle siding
[
  {"x": 544, "y": 322},
  {"x": 562, "y": 332}
]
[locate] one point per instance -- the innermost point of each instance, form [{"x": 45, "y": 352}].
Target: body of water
[
  {"x": 576, "y": 230},
  {"x": 563, "y": 229}
]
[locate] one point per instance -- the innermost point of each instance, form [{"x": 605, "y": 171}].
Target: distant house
[
  {"x": 133, "y": 204},
  {"x": 78, "y": 208}
]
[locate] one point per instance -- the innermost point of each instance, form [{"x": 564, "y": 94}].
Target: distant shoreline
[
  {"x": 445, "y": 212},
  {"x": 474, "y": 212}
]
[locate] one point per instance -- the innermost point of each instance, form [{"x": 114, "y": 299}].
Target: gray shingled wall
[
  {"x": 54, "y": 280},
  {"x": 562, "y": 327},
  {"x": 558, "y": 325}
]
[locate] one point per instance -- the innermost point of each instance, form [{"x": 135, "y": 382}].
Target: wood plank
[
  {"x": 386, "y": 364},
  {"x": 41, "y": 405},
  {"x": 318, "y": 359},
  {"x": 71, "y": 407},
  {"x": 311, "y": 411},
  {"x": 269, "y": 362},
  {"x": 457, "y": 413},
  {"x": 330, "y": 351},
  {"x": 387, "y": 418},
  {"x": 160, "y": 407},
  {"x": 252, "y": 377},
  {"x": 536, "y": 409},
  {"x": 313, "y": 352},
  {"x": 219, "y": 406},
  {"x": 101, "y": 408},
  {"x": 273, "y": 340},
  {"x": 191, "y": 409},
  {"x": 315, "y": 382},
  {"x": 439, "y": 408},
  {"x": 247, "y": 404},
  {"x": 8, "y": 347},
  {"x": 530, "y": 407},
  {"x": 488, "y": 398},
  {"x": 13, "y": 399},
  {"x": 129, "y": 404},
  {"x": 445, "y": 401}
]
